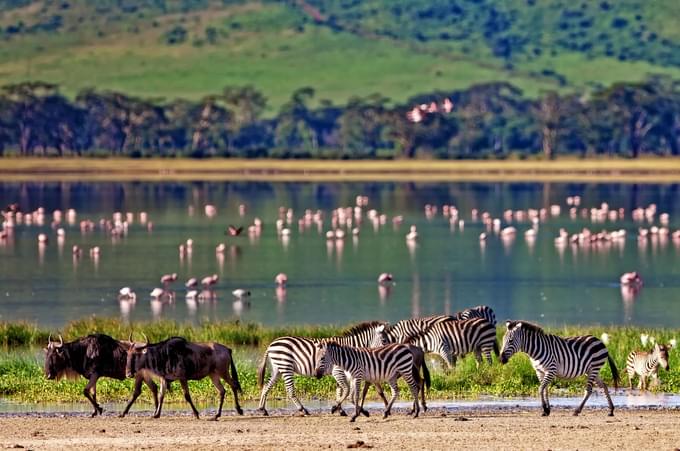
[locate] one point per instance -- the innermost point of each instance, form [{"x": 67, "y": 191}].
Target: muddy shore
[{"x": 439, "y": 428}]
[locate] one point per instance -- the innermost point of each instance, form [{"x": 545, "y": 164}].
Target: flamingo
[
  {"x": 167, "y": 279},
  {"x": 233, "y": 230},
  {"x": 126, "y": 294},
  {"x": 240, "y": 293},
  {"x": 631, "y": 279},
  {"x": 413, "y": 234},
  {"x": 191, "y": 283},
  {"x": 156, "y": 293},
  {"x": 385, "y": 278},
  {"x": 281, "y": 279},
  {"x": 209, "y": 281}
]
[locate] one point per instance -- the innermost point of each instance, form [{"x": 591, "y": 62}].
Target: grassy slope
[{"x": 274, "y": 47}]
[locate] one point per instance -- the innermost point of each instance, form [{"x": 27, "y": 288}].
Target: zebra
[
  {"x": 378, "y": 365},
  {"x": 425, "y": 380},
  {"x": 399, "y": 331},
  {"x": 553, "y": 356},
  {"x": 298, "y": 355},
  {"x": 481, "y": 311},
  {"x": 645, "y": 364},
  {"x": 451, "y": 339}
]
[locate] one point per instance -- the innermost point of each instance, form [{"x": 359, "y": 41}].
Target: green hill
[{"x": 342, "y": 48}]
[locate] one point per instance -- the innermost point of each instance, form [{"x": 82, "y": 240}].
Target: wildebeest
[
  {"x": 92, "y": 357},
  {"x": 178, "y": 359}
]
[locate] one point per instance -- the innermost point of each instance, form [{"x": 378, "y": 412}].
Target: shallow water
[
  {"x": 623, "y": 399},
  {"x": 335, "y": 282}
]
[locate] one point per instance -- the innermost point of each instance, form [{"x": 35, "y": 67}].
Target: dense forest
[{"x": 491, "y": 120}]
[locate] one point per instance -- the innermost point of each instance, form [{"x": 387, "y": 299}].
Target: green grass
[
  {"x": 278, "y": 49},
  {"x": 21, "y": 377}
]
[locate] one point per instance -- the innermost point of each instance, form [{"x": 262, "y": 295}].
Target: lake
[{"x": 445, "y": 270}]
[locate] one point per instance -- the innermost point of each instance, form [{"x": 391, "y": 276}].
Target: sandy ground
[{"x": 436, "y": 429}]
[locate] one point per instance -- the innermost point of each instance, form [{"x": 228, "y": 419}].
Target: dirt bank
[{"x": 437, "y": 429}]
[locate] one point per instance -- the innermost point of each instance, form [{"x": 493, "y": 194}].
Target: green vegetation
[
  {"x": 190, "y": 48},
  {"x": 21, "y": 376}
]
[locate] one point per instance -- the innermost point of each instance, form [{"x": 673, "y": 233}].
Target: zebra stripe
[
  {"x": 646, "y": 364},
  {"x": 298, "y": 355},
  {"x": 553, "y": 356},
  {"x": 481, "y": 311},
  {"x": 452, "y": 339},
  {"x": 401, "y": 330},
  {"x": 378, "y": 365}
]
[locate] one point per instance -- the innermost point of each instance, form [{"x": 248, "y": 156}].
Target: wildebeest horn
[
  {"x": 61, "y": 341},
  {"x": 130, "y": 338},
  {"x": 145, "y": 339},
  {"x": 49, "y": 339}
]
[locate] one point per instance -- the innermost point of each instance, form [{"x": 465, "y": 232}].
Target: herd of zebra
[
  {"x": 377, "y": 352},
  {"x": 370, "y": 353}
]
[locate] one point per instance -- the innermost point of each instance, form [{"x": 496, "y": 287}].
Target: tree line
[{"x": 491, "y": 120}]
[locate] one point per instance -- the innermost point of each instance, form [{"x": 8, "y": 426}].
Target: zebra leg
[
  {"x": 265, "y": 390},
  {"x": 643, "y": 382},
  {"x": 395, "y": 393},
  {"x": 601, "y": 383},
  {"x": 543, "y": 393},
  {"x": 290, "y": 390},
  {"x": 414, "y": 385},
  {"x": 356, "y": 387},
  {"x": 364, "y": 412},
  {"x": 630, "y": 380},
  {"x": 589, "y": 390},
  {"x": 341, "y": 392}
]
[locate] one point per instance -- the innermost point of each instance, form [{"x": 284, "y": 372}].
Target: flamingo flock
[{"x": 347, "y": 223}]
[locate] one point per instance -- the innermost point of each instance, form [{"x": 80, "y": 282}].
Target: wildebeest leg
[
  {"x": 154, "y": 390},
  {"x": 90, "y": 393},
  {"x": 164, "y": 387},
  {"x": 289, "y": 382},
  {"x": 220, "y": 388},
  {"x": 187, "y": 396},
  {"x": 265, "y": 390},
  {"x": 234, "y": 388},
  {"x": 135, "y": 394}
]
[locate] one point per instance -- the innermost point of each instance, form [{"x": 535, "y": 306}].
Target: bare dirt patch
[{"x": 437, "y": 429}]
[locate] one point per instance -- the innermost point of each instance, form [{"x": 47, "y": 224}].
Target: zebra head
[
  {"x": 511, "y": 340},
  {"x": 323, "y": 366},
  {"x": 661, "y": 354}
]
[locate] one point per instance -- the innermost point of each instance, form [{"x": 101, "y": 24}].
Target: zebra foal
[
  {"x": 553, "y": 356},
  {"x": 646, "y": 364},
  {"x": 378, "y": 365},
  {"x": 298, "y": 355}
]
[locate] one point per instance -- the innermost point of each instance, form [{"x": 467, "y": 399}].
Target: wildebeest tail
[
  {"x": 234, "y": 376},
  {"x": 261, "y": 369},
  {"x": 615, "y": 372}
]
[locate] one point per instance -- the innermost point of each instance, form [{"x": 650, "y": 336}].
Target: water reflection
[{"x": 573, "y": 250}]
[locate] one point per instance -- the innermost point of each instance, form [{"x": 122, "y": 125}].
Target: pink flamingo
[
  {"x": 167, "y": 279},
  {"x": 281, "y": 279},
  {"x": 631, "y": 279},
  {"x": 385, "y": 278}
]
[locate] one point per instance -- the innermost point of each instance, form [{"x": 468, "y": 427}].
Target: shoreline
[
  {"x": 646, "y": 170},
  {"x": 435, "y": 429}
]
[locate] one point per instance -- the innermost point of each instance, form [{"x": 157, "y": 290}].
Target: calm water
[{"x": 335, "y": 282}]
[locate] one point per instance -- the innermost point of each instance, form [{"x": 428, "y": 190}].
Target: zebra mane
[
  {"x": 527, "y": 326},
  {"x": 362, "y": 327}
]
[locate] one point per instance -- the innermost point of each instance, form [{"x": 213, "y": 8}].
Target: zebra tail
[
  {"x": 261, "y": 369},
  {"x": 495, "y": 347},
  {"x": 426, "y": 375},
  {"x": 615, "y": 372},
  {"x": 234, "y": 376}
]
